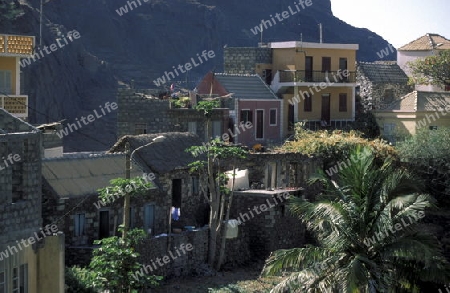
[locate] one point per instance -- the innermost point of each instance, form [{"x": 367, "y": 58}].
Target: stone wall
[
  {"x": 243, "y": 60},
  {"x": 373, "y": 95},
  {"x": 158, "y": 116},
  {"x": 20, "y": 180},
  {"x": 182, "y": 263}
]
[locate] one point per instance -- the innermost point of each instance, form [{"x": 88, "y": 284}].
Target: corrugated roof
[
  {"x": 83, "y": 175},
  {"x": 383, "y": 72},
  {"x": 419, "y": 101},
  {"x": 241, "y": 86},
  {"x": 426, "y": 43},
  {"x": 160, "y": 157}
]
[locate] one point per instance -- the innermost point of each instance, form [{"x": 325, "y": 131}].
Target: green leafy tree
[
  {"x": 363, "y": 244},
  {"x": 432, "y": 70},
  {"x": 115, "y": 264},
  {"x": 9, "y": 11},
  {"x": 122, "y": 187},
  {"x": 80, "y": 280},
  {"x": 218, "y": 196}
]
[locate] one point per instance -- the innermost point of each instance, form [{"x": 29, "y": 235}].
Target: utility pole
[{"x": 126, "y": 203}]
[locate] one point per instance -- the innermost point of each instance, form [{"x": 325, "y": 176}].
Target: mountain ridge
[{"x": 138, "y": 47}]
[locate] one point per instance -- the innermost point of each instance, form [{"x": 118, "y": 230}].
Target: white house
[{"x": 427, "y": 45}]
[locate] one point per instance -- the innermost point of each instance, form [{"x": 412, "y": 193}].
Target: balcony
[
  {"x": 16, "y": 46},
  {"x": 289, "y": 78},
  {"x": 16, "y": 105}
]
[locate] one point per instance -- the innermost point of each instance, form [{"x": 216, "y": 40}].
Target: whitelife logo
[
  {"x": 11, "y": 250},
  {"x": 60, "y": 43},
  {"x": 90, "y": 118},
  {"x": 281, "y": 16},
  {"x": 206, "y": 55},
  {"x": 11, "y": 159},
  {"x": 149, "y": 268}
]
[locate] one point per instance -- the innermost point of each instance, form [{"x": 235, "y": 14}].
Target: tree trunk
[{"x": 225, "y": 229}]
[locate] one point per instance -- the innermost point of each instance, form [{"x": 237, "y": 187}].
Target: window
[
  {"x": 79, "y": 222},
  {"x": 23, "y": 278},
  {"x": 195, "y": 185},
  {"x": 216, "y": 129},
  {"x": 103, "y": 226},
  {"x": 247, "y": 116},
  {"x": 259, "y": 124},
  {"x": 291, "y": 120},
  {"x": 5, "y": 82},
  {"x": 3, "y": 282},
  {"x": 307, "y": 104},
  {"x": 273, "y": 117},
  {"x": 326, "y": 64},
  {"x": 342, "y": 102},
  {"x": 15, "y": 280},
  {"x": 309, "y": 68},
  {"x": 343, "y": 66},
  {"x": 176, "y": 193},
  {"x": 149, "y": 218},
  {"x": 192, "y": 127},
  {"x": 267, "y": 76},
  {"x": 140, "y": 128}
]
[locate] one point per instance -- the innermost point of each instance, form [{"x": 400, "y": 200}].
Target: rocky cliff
[{"x": 124, "y": 41}]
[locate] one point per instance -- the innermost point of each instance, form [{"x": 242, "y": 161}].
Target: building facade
[
  {"x": 12, "y": 49},
  {"x": 316, "y": 81},
  {"x": 31, "y": 254}
]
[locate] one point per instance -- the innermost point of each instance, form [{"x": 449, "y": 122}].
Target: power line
[{"x": 60, "y": 121}]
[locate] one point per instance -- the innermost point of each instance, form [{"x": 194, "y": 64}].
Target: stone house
[
  {"x": 71, "y": 198},
  {"x": 31, "y": 250},
  {"x": 143, "y": 113},
  {"x": 380, "y": 84},
  {"x": 255, "y": 111}
]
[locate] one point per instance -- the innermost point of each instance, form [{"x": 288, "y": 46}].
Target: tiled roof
[
  {"x": 241, "y": 86},
  {"x": 160, "y": 157},
  {"x": 426, "y": 43},
  {"x": 419, "y": 101},
  {"x": 83, "y": 175},
  {"x": 383, "y": 72}
]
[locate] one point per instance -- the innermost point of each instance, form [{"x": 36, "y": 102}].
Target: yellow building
[
  {"x": 414, "y": 111},
  {"x": 12, "y": 48},
  {"x": 316, "y": 81}
]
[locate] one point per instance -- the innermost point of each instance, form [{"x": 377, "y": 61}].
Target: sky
[{"x": 397, "y": 21}]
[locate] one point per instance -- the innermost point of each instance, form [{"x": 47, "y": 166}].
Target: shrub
[
  {"x": 335, "y": 145},
  {"x": 427, "y": 154},
  {"x": 79, "y": 280}
]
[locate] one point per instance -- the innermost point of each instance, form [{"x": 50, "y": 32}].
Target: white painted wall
[{"x": 403, "y": 57}]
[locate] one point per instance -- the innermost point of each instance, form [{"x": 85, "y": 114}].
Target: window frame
[
  {"x": 343, "y": 102},
  {"x": 270, "y": 117},
  {"x": 307, "y": 103}
]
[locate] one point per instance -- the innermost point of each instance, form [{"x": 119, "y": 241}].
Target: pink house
[{"x": 255, "y": 110}]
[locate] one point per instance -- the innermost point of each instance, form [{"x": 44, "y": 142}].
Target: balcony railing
[
  {"x": 317, "y": 76},
  {"x": 14, "y": 45},
  {"x": 16, "y": 105}
]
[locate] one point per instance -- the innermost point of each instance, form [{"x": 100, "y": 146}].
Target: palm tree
[{"x": 368, "y": 234}]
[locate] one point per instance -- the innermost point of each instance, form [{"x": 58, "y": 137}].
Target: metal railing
[{"x": 317, "y": 76}]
